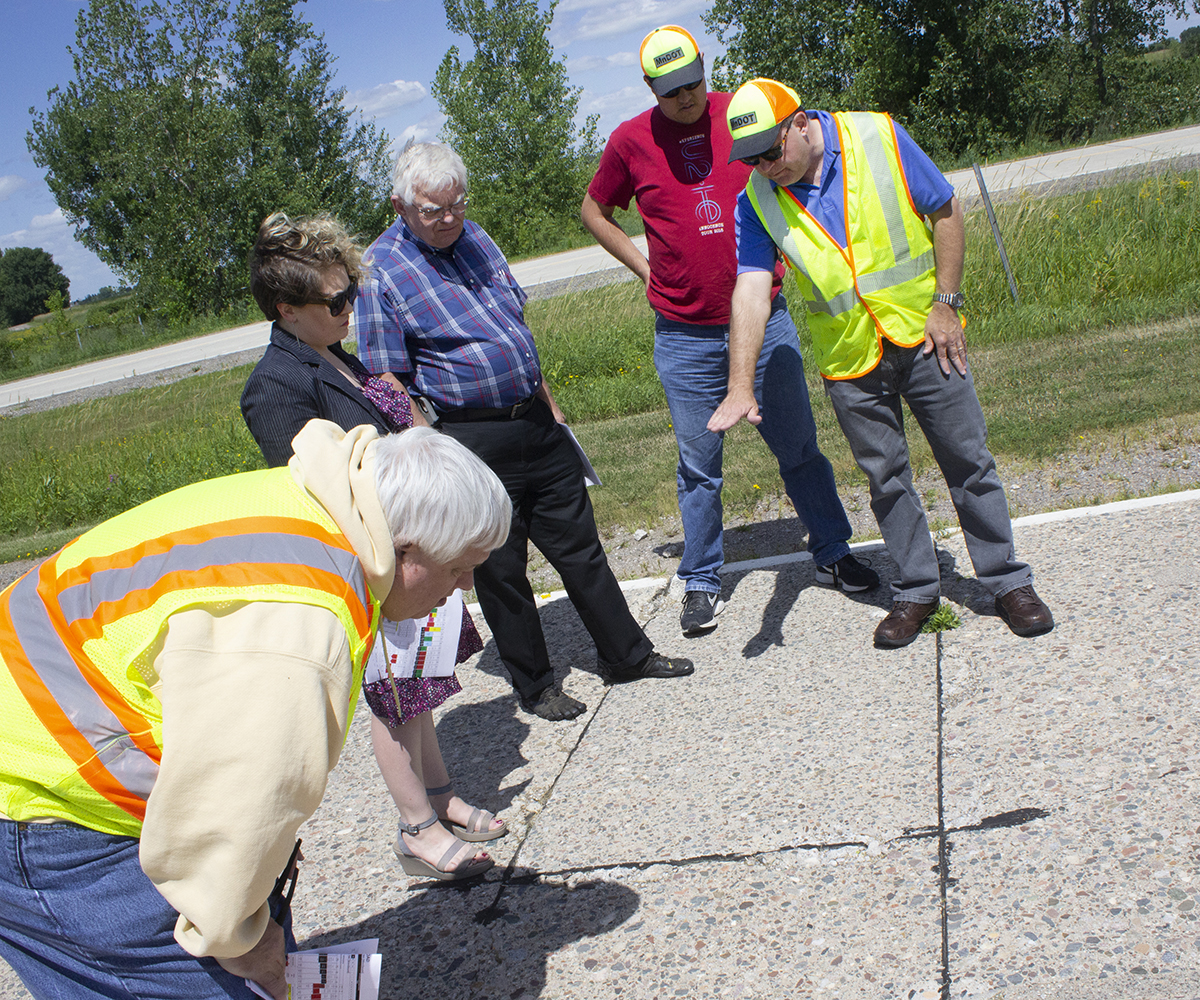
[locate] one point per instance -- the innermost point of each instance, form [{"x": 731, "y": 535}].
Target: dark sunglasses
[
  {"x": 689, "y": 87},
  {"x": 338, "y": 302},
  {"x": 771, "y": 155}
]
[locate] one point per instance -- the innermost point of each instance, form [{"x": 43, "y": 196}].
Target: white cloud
[
  {"x": 584, "y": 64},
  {"x": 615, "y": 106},
  {"x": 86, "y": 272},
  {"x": 385, "y": 98},
  {"x": 627, "y": 101},
  {"x": 426, "y": 130},
  {"x": 581, "y": 19},
  {"x": 10, "y": 184}
]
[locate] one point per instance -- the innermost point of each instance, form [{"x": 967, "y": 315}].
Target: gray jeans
[{"x": 948, "y": 412}]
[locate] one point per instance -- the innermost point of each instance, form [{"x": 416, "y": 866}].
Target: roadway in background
[{"x": 1087, "y": 166}]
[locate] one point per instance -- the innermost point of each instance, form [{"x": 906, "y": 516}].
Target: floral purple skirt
[{"x": 421, "y": 694}]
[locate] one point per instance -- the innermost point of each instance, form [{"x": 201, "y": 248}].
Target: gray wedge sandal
[
  {"x": 479, "y": 827},
  {"x": 413, "y": 865}
]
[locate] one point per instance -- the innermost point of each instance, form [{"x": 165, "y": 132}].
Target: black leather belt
[{"x": 486, "y": 413}]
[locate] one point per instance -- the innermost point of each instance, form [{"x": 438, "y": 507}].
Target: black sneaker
[
  {"x": 700, "y": 610},
  {"x": 849, "y": 574}
]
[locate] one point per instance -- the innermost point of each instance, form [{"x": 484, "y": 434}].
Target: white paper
[
  {"x": 421, "y": 647},
  {"x": 589, "y": 474},
  {"x": 350, "y": 971}
]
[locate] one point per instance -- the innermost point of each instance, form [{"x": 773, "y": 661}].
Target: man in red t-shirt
[{"x": 673, "y": 161}]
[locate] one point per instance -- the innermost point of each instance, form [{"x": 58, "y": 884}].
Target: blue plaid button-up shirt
[{"x": 450, "y": 323}]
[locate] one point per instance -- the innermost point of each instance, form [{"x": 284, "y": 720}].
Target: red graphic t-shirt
[{"x": 685, "y": 192}]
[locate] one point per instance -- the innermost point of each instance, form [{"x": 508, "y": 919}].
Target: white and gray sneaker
[{"x": 700, "y": 610}]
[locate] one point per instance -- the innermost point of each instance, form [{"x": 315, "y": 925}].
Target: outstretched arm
[
  {"x": 750, "y": 310},
  {"x": 943, "y": 329}
]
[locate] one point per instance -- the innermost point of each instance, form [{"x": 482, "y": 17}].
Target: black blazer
[{"x": 291, "y": 385}]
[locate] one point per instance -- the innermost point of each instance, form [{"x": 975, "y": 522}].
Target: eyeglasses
[
  {"x": 689, "y": 87},
  {"x": 772, "y": 154},
  {"x": 337, "y": 303},
  {"x": 431, "y": 213}
]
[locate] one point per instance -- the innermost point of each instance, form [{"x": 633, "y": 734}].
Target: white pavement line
[
  {"x": 1108, "y": 508},
  {"x": 768, "y": 562}
]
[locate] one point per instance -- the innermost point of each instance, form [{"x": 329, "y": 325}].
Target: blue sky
[{"x": 387, "y": 52}]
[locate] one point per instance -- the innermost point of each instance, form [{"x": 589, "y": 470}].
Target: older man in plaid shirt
[{"x": 442, "y": 315}]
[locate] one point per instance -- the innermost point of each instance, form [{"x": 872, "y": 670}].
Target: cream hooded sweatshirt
[{"x": 255, "y": 699}]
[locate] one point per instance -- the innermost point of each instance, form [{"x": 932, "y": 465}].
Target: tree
[
  {"x": 806, "y": 44},
  {"x": 1189, "y": 43},
  {"x": 186, "y": 124},
  {"x": 511, "y": 117},
  {"x": 28, "y": 277},
  {"x": 961, "y": 76}
]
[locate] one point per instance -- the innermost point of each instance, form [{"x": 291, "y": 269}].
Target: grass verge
[{"x": 1104, "y": 342}]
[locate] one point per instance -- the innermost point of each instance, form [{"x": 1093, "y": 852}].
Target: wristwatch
[{"x": 952, "y": 299}]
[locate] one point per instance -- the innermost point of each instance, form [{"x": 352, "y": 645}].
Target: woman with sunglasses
[{"x": 304, "y": 275}]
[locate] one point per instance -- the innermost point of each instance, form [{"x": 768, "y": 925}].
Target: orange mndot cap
[
  {"x": 671, "y": 58},
  {"x": 754, "y": 114}
]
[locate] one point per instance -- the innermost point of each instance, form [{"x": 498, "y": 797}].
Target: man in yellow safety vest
[
  {"x": 176, "y": 685},
  {"x": 874, "y": 235}
]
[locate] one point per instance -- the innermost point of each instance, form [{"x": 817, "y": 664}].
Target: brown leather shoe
[
  {"x": 903, "y": 623},
  {"x": 1024, "y": 612}
]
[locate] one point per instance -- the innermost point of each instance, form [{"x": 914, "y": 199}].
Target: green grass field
[{"x": 1106, "y": 341}]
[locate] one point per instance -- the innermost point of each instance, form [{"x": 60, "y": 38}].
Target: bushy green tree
[
  {"x": 807, "y": 44},
  {"x": 1189, "y": 43},
  {"x": 28, "y": 277},
  {"x": 971, "y": 76},
  {"x": 188, "y": 121},
  {"x": 511, "y": 117}
]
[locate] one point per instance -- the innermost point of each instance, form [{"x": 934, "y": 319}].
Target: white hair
[
  {"x": 429, "y": 167},
  {"x": 438, "y": 495}
]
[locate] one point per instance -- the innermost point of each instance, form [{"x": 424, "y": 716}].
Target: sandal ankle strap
[
  {"x": 413, "y": 829},
  {"x": 441, "y": 790}
]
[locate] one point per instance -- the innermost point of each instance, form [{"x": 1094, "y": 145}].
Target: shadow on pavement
[{"x": 448, "y": 943}]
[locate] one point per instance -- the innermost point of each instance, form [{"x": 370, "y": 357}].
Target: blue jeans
[
  {"x": 79, "y": 918},
  {"x": 693, "y": 364},
  {"x": 948, "y": 412}
]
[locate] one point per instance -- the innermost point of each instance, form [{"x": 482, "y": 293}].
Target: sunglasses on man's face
[
  {"x": 771, "y": 155},
  {"x": 337, "y": 303},
  {"x": 689, "y": 87}
]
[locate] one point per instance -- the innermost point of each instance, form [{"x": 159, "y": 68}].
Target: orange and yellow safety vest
[{"x": 82, "y": 733}]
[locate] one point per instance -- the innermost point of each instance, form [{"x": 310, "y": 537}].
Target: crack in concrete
[
  {"x": 494, "y": 910},
  {"x": 943, "y": 865}
]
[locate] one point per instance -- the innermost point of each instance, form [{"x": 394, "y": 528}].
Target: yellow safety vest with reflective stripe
[
  {"x": 82, "y": 730},
  {"x": 882, "y": 283}
]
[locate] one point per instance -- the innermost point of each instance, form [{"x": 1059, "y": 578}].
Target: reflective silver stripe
[
  {"x": 835, "y": 306},
  {"x": 885, "y": 182},
  {"x": 82, "y": 600},
  {"x": 80, "y": 703},
  {"x": 776, "y": 225},
  {"x": 876, "y": 281}
]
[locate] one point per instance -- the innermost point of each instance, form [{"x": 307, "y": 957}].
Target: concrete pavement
[
  {"x": 557, "y": 273},
  {"x": 976, "y": 815}
]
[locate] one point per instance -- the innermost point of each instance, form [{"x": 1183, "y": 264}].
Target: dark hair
[{"x": 290, "y": 255}]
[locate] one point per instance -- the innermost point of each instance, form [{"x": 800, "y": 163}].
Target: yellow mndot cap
[
  {"x": 754, "y": 115},
  {"x": 671, "y": 58}
]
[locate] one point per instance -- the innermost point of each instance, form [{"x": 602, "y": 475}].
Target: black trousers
[{"x": 535, "y": 460}]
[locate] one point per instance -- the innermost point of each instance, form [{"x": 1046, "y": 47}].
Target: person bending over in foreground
[{"x": 176, "y": 685}]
